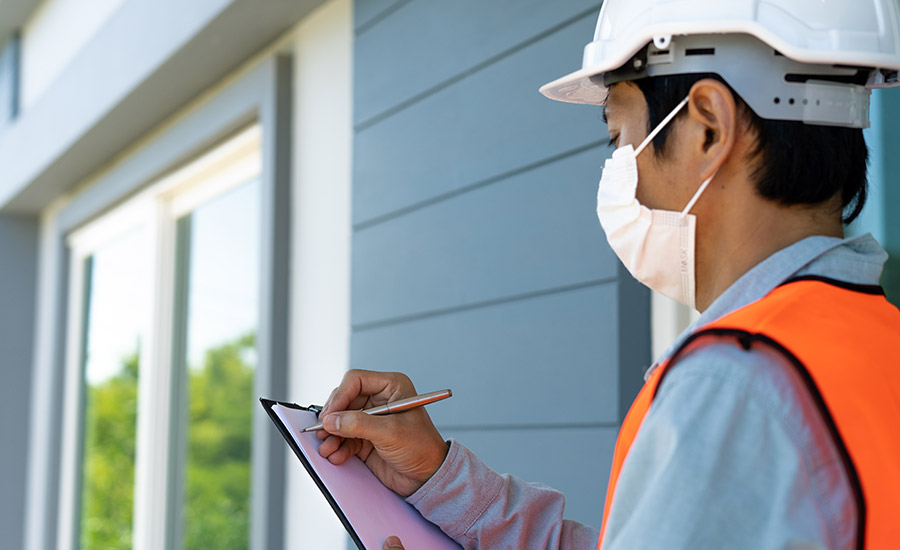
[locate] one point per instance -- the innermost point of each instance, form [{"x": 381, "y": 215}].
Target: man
[{"x": 772, "y": 422}]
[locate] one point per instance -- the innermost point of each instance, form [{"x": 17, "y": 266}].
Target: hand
[
  {"x": 403, "y": 450},
  {"x": 393, "y": 543}
]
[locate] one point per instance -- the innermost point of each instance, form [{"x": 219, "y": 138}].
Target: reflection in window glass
[
  {"x": 219, "y": 260},
  {"x": 117, "y": 283}
]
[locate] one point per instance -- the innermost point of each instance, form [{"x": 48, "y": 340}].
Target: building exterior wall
[
  {"x": 204, "y": 88},
  {"x": 890, "y": 185},
  {"x": 18, "y": 266},
  {"x": 878, "y": 217},
  {"x": 55, "y": 34},
  {"x": 478, "y": 261}
]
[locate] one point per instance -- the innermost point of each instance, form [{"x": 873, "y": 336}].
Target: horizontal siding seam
[
  {"x": 360, "y": 327},
  {"x": 380, "y": 17},
  {"x": 513, "y": 427},
  {"x": 360, "y": 226},
  {"x": 405, "y": 104}
]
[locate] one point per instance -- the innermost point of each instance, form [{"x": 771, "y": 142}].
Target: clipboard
[{"x": 369, "y": 511}]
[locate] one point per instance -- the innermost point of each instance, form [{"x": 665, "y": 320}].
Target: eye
[{"x": 613, "y": 140}]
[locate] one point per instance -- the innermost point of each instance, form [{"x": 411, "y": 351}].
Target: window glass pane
[
  {"x": 221, "y": 238},
  {"x": 117, "y": 282}
]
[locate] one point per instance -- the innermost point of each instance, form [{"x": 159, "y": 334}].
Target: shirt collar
[{"x": 858, "y": 260}]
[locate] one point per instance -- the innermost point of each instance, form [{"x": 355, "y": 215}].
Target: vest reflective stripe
[{"x": 846, "y": 343}]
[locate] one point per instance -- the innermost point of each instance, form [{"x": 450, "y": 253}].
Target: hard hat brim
[{"x": 577, "y": 87}]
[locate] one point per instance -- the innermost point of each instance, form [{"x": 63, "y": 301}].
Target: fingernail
[
  {"x": 332, "y": 423},
  {"x": 393, "y": 542}
]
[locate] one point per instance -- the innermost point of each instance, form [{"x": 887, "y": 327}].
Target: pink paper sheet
[{"x": 374, "y": 511}]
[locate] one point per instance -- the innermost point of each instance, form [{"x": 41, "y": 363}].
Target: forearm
[{"x": 480, "y": 508}]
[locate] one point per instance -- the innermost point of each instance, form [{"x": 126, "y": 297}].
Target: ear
[{"x": 713, "y": 117}]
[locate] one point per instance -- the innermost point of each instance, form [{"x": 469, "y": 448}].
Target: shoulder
[
  {"x": 753, "y": 407},
  {"x": 733, "y": 437},
  {"x": 717, "y": 373},
  {"x": 718, "y": 367}
]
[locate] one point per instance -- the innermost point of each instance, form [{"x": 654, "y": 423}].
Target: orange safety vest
[{"x": 844, "y": 340}]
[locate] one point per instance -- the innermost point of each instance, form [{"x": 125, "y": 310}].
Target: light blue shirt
[{"x": 733, "y": 454}]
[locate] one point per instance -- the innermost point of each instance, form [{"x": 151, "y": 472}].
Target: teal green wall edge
[
  {"x": 885, "y": 185},
  {"x": 880, "y": 216}
]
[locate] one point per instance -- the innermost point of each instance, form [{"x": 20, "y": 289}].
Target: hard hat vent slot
[
  {"x": 859, "y": 78},
  {"x": 700, "y": 51}
]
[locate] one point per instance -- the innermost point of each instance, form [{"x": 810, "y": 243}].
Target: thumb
[
  {"x": 357, "y": 425},
  {"x": 393, "y": 543}
]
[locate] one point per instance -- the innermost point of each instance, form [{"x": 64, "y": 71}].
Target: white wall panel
[
  {"x": 53, "y": 35},
  {"x": 320, "y": 268}
]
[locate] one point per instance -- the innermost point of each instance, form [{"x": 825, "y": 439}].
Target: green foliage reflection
[
  {"x": 217, "y": 479},
  {"x": 108, "y": 482},
  {"x": 217, "y": 499}
]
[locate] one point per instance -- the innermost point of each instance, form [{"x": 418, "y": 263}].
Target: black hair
[{"x": 796, "y": 163}]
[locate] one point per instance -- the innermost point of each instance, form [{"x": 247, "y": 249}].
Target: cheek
[
  {"x": 648, "y": 178},
  {"x": 630, "y": 135}
]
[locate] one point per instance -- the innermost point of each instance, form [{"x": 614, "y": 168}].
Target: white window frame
[{"x": 157, "y": 208}]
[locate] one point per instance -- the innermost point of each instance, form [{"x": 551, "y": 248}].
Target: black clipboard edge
[{"x": 267, "y": 405}]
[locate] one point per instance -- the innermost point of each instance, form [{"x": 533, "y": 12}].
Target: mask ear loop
[
  {"x": 655, "y": 132},
  {"x": 697, "y": 195},
  {"x": 661, "y": 125}
]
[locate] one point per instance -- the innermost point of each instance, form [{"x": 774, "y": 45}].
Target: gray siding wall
[
  {"x": 18, "y": 273},
  {"x": 478, "y": 262}
]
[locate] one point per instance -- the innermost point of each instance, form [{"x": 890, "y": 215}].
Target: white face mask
[{"x": 656, "y": 246}]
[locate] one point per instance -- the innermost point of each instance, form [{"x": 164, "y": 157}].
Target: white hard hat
[{"x": 809, "y": 60}]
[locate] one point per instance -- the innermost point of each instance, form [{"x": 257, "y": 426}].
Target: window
[
  {"x": 218, "y": 255},
  {"x": 162, "y": 359},
  {"x": 9, "y": 80},
  {"x": 115, "y": 276}
]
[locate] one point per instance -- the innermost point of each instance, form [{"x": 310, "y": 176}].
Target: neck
[{"x": 751, "y": 233}]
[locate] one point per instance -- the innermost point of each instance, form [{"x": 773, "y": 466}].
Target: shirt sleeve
[
  {"x": 732, "y": 454},
  {"x": 480, "y": 508}
]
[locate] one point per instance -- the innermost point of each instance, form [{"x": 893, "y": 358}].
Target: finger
[
  {"x": 360, "y": 387},
  {"x": 330, "y": 445},
  {"x": 347, "y": 449},
  {"x": 328, "y": 401},
  {"x": 359, "y": 425},
  {"x": 393, "y": 543},
  {"x": 356, "y": 384}
]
